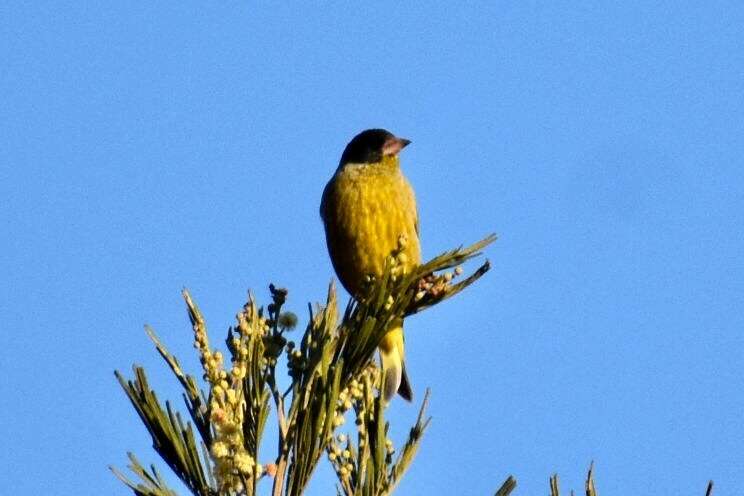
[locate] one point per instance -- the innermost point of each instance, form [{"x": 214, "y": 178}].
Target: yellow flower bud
[
  {"x": 244, "y": 462},
  {"x": 402, "y": 241},
  {"x": 219, "y": 449}
]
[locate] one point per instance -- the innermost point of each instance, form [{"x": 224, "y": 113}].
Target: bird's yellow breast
[{"x": 365, "y": 210}]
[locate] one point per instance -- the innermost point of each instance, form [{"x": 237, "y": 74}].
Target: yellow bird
[{"x": 367, "y": 207}]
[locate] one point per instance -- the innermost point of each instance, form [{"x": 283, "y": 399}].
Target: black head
[{"x": 370, "y": 146}]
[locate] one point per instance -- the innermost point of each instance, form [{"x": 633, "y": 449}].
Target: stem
[
  {"x": 281, "y": 471},
  {"x": 281, "y": 462}
]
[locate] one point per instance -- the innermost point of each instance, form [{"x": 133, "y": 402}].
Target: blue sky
[{"x": 148, "y": 146}]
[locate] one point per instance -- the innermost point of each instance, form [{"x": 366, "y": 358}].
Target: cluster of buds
[
  {"x": 296, "y": 361},
  {"x": 232, "y": 465},
  {"x": 436, "y": 285},
  {"x": 232, "y": 462},
  {"x": 273, "y": 346},
  {"x": 358, "y": 394},
  {"x": 342, "y": 457},
  {"x": 349, "y": 395},
  {"x": 398, "y": 260},
  {"x": 212, "y": 362}
]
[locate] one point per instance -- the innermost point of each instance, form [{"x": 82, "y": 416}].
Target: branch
[
  {"x": 332, "y": 370},
  {"x": 173, "y": 441}
]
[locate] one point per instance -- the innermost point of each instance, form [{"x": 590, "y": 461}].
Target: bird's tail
[{"x": 392, "y": 356}]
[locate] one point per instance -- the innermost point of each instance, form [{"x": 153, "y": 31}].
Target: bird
[{"x": 369, "y": 210}]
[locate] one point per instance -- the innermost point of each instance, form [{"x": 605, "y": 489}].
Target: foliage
[{"x": 332, "y": 371}]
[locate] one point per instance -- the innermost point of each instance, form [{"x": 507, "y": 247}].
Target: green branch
[{"x": 332, "y": 372}]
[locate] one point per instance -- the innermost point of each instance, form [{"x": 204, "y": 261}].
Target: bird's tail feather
[
  {"x": 395, "y": 379},
  {"x": 392, "y": 370},
  {"x": 405, "y": 390}
]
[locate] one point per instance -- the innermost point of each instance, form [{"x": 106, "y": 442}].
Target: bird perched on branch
[{"x": 369, "y": 211}]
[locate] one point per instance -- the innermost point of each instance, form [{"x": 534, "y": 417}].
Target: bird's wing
[{"x": 324, "y": 200}]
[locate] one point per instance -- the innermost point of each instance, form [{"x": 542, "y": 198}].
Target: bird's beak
[{"x": 394, "y": 145}]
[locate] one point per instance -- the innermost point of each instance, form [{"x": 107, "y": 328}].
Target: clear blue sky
[{"x": 147, "y": 146}]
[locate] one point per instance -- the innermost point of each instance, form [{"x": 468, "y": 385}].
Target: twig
[{"x": 507, "y": 487}]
